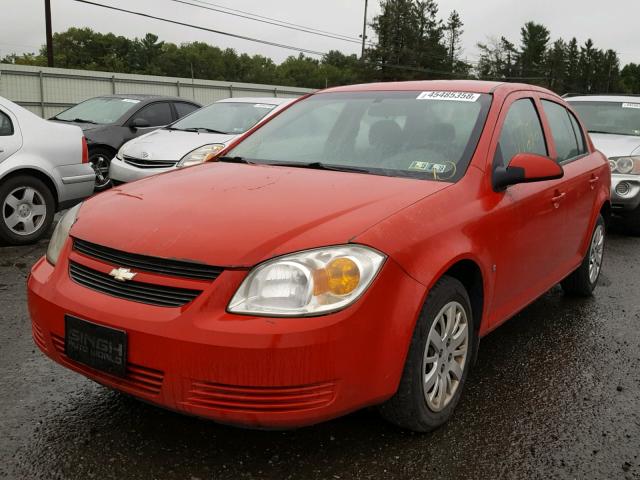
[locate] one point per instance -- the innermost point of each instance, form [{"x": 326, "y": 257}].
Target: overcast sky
[{"x": 611, "y": 24}]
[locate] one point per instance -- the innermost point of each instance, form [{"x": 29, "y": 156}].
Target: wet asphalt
[{"x": 555, "y": 395}]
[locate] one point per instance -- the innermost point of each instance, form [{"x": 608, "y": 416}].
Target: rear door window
[
  {"x": 6, "y": 126},
  {"x": 562, "y": 130},
  {"x": 157, "y": 114},
  {"x": 521, "y": 133}
]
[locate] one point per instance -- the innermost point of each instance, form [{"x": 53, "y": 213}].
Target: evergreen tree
[{"x": 534, "y": 40}]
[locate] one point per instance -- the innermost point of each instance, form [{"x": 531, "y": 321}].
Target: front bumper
[
  {"x": 627, "y": 198},
  {"x": 250, "y": 371},
  {"x": 123, "y": 172}
]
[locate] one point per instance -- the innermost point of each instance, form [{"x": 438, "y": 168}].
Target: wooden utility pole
[
  {"x": 364, "y": 28},
  {"x": 47, "y": 17}
]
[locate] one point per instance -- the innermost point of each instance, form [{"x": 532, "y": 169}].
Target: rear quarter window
[{"x": 6, "y": 126}]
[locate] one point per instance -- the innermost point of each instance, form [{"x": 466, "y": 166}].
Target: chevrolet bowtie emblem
[{"x": 122, "y": 274}]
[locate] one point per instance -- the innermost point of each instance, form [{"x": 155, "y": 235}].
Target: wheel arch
[
  {"x": 104, "y": 146},
  {"x": 468, "y": 272},
  {"x": 40, "y": 175}
]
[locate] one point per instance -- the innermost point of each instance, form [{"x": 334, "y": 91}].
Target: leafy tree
[{"x": 534, "y": 40}]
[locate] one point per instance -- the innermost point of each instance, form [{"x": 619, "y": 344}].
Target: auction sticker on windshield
[
  {"x": 130, "y": 100},
  {"x": 450, "y": 96},
  {"x": 264, "y": 105},
  {"x": 631, "y": 105}
]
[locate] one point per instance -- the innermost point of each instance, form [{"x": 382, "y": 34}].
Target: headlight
[
  {"x": 625, "y": 165},
  {"x": 120, "y": 153},
  {"x": 311, "y": 282},
  {"x": 61, "y": 233},
  {"x": 200, "y": 155}
]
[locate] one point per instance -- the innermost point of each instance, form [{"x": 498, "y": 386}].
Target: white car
[
  {"x": 44, "y": 167},
  {"x": 613, "y": 122},
  {"x": 192, "y": 139}
]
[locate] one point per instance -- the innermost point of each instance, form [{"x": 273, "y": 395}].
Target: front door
[{"x": 528, "y": 219}]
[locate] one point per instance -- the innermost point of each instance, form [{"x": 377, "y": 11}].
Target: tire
[
  {"x": 583, "y": 280},
  {"x": 100, "y": 159},
  {"x": 411, "y": 408},
  {"x": 27, "y": 207}
]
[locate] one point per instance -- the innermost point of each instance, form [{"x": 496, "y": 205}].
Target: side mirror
[
  {"x": 526, "y": 168},
  {"x": 139, "y": 123}
]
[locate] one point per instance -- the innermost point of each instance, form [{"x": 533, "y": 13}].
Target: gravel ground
[{"x": 555, "y": 394}]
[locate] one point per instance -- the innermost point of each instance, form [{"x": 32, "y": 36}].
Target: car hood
[
  {"x": 616, "y": 145},
  {"x": 238, "y": 215},
  {"x": 171, "y": 144}
]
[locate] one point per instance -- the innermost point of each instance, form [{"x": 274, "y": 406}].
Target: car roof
[
  {"x": 475, "y": 86},
  {"x": 605, "y": 98},
  {"x": 147, "y": 98},
  {"x": 267, "y": 100}
]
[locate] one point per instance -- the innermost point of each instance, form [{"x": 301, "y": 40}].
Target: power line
[
  {"x": 283, "y": 22},
  {"x": 234, "y": 35}
]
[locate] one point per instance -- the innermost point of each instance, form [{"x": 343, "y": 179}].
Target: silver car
[
  {"x": 43, "y": 168},
  {"x": 613, "y": 122},
  {"x": 192, "y": 139}
]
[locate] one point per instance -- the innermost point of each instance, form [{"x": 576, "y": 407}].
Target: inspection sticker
[
  {"x": 130, "y": 100},
  {"x": 428, "y": 167},
  {"x": 631, "y": 105},
  {"x": 450, "y": 96},
  {"x": 264, "y": 105}
]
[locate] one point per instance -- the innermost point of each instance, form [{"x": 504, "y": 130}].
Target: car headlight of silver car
[
  {"x": 61, "y": 233},
  {"x": 307, "y": 283},
  {"x": 200, "y": 155},
  {"x": 625, "y": 165}
]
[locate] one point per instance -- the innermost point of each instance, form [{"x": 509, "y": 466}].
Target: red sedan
[{"x": 352, "y": 251}]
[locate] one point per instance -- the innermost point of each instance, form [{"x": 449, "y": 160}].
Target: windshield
[
  {"x": 102, "y": 110},
  {"x": 428, "y": 135},
  {"x": 225, "y": 117},
  {"x": 610, "y": 117}
]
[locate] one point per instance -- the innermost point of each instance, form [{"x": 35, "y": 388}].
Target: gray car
[
  {"x": 191, "y": 139},
  {"x": 111, "y": 120},
  {"x": 44, "y": 167},
  {"x": 613, "y": 122}
]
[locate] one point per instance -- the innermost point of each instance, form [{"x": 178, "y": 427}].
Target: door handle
[
  {"x": 558, "y": 198},
  {"x": 592, "y": 182}
]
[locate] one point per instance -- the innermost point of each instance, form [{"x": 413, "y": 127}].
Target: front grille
[
  {"x": 176, "y": 268},
  {"x": 148, "y": 293},
  {"x": 142, "y": 163},
  {"x": 138, "y": 378},
  {"x": 215, "y": 396}
]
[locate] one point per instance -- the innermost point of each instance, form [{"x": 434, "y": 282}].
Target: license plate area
[{"x": 96, "y": 346}]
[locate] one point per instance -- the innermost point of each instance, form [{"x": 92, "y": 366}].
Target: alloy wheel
[
  {"x": 596, "y": 252},
  {"x": 100, "y": 164},
  {"x": 24, "y": 210},
  {"x": 445, "y": 356}
]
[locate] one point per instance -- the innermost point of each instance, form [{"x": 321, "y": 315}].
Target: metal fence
[{"x": 47, "y": 91}]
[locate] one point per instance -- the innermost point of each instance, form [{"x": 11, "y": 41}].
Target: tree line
[{"x": 411, "y": 41}]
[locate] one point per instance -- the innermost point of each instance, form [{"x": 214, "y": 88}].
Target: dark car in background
[{"x": 111, "y": 120}]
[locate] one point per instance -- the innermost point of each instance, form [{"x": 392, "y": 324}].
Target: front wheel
[
  {"x": 100, "y": 160},
  {"x": 583, "y": 281},
  {"x": 438, "y": 361},
  {"x": 27, "y": 211}
]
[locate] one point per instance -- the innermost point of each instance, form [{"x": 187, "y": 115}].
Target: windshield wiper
[
  {"x": 201, "y": 129},
  {"x": 320, "y": 166},
  {"x": 606, "y": 133},
  {"x": 82, "y": 120},
  {"x": 235, "y": 160}
]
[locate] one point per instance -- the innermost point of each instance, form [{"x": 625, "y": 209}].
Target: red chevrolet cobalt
[{"x": 352, "y": 251}]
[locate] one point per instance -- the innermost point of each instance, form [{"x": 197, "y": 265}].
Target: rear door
[
  {"x": 581, "y": 173},
  {"x": 10, "y": 137}
]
